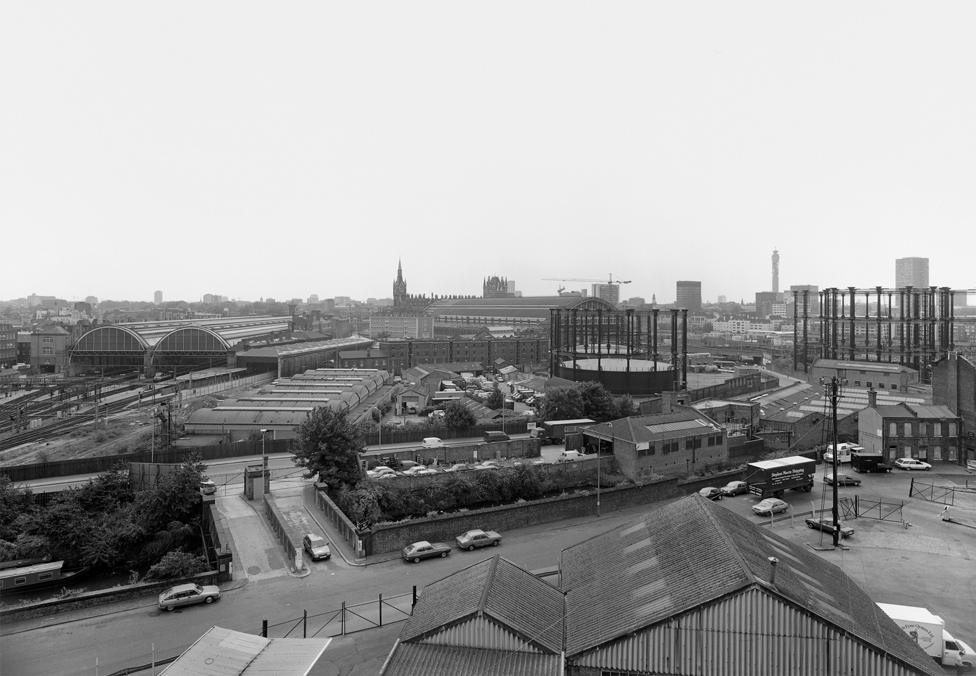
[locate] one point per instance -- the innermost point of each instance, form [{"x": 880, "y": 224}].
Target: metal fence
[
  {"x": 347, "y": 619},
  {"x": 945, "y": 495},
  {"x": 877, "y": 508}
]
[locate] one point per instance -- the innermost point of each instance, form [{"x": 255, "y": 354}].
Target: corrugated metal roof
[
  {"x": 411, "y": 659},
  {"x": 495, "y": 587},
  {"x": 225, "y": 652},
  {"x": 644, "y": 572}
]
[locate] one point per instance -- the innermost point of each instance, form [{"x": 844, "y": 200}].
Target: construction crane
[{"x": 563, "y": 280}]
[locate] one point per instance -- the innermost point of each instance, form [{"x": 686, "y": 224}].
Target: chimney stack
[
  {"x": 872, "y": 398},
  {"x": 772, "y": 564}
]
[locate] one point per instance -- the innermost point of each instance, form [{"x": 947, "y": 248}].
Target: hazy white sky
[{"x": 283, "y": 149}]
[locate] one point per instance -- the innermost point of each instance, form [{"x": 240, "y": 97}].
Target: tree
[
  {"x": 597, "y": 402},
  {"x": 329, "y": 446},
  {"x": 457, "y": 416},
  {"x": 177, "y": 564},
  {"x": 626, "y": 407},
  {"x": 563, "y": 403},
  {"x": 495, "y": 399}
]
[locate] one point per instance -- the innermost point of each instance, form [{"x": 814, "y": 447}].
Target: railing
[
  {"x": 347, "y": 619},
  {"x": 877, "y": 508}
]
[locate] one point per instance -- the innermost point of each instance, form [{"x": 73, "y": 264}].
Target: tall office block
[
  {"x": 912, "y": 272},
  {"x": 688, "y": 295}
]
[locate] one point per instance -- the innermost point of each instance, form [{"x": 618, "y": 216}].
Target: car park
[
  {"x": 912, "y": 464},
  {"x": 735, "y": 488},
  {"x": 417, "y": 551},
  {"x": 317, "y": 547},
  {"x": 478, "y": 538},
  {"x": 711, "y": 493},
  {"x": 842, "y": 480},
  {"x": 187, "y": 595},
  {"x": 828, "y": 526},
  {"x": 770, "y": 506}
]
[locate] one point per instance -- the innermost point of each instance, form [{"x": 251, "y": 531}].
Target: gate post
[
  {"x": 911, "y": 488},
  {"x": 381, "y": 610},
  {"x": 343, "y": 618},
  {"x": 264, "y": 628},
  {"x": 305, "y": 623},
  {"x": 857, "y": 506}
]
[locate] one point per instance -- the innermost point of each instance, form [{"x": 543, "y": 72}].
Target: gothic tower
[{"x": 399, "y": 288}]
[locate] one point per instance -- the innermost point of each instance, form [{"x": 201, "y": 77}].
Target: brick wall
[
  {"x": 392, "y": 537},
  {"x": 290, "y": 546}
]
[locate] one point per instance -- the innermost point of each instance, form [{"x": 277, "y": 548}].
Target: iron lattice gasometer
[{"x": 621, "y": 349}]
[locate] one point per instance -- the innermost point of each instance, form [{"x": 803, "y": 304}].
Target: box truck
[
  {"x": 929, "y": 632},
  {"x": 865, "y": 460},
  {"x": 769, "y": 478}
]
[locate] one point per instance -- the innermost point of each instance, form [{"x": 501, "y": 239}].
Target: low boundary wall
[
  {"x": 100, "y": 597},
  {"x": 292, "y": 552},
  {"x": 391, "y": 537}
]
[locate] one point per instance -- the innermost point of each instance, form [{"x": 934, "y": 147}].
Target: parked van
[
  {"x": 495, "y": 436},
  {"x": 844, "y": 451}
]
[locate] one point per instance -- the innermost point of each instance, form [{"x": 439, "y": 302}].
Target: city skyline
[{"x": 306, "y": 152}]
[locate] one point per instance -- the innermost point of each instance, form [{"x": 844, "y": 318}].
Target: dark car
[
  {"x": 416, "y": 551},
  {"x": 711, "y": 493},
  {"x": 827, "y": 526},
  {"x": 842, "y": 480},
  {"x": 735, "y": 488}
]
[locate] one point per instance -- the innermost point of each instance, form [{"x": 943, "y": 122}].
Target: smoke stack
[{"x": 772, "y": 565}]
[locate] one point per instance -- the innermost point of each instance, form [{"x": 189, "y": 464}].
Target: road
[{"x": 927, "y": 564}]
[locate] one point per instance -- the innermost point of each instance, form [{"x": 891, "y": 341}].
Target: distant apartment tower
[
  {"x": 912, "y": 272},
  {"x": 157, "y": 298},
  {"x": 775, "y": 271},
  {"x": 607, "y": 292},
  {"x": 688, "y": 295}
]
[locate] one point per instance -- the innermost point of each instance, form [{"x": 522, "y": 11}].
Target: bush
[{"x": 177, "y": 564}]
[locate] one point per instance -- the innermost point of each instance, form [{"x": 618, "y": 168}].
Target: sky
[{"x": 259, "y": 150}]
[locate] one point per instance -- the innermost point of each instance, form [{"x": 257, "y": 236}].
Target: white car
[
  {"x": 569, "y": 456},
  {"x": 770, "y": 506},
  {"x": 912, "y": 463}
]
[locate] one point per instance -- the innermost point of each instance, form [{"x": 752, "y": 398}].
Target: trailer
[
  {"x": 864, "y": 460},
  {"x": 556, "y": 431},
  {"x": 770, "y": 478}
]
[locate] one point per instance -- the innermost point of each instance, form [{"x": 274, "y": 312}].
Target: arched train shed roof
[{"x": 145, "y": 340}]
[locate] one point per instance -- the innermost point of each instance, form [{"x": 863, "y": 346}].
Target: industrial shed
[
  {"x": 285, "y": 404},
  {"x": 646, "y": 598}
]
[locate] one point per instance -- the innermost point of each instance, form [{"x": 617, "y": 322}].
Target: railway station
[{"x": 170, "y": 345}]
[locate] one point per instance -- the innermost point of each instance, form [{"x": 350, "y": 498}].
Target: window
[
  {"x": 869, "y": 383},
  {"x": 893, "y": 387},
  {"x": 857, "y": 383},
  {"x": 881, "y": 386},
  {"x": 892, "y": 429},
  {"x": 907, "y": 430},
  {"x": 952, "y": 429},
  {"x": 47, "y": 350}
]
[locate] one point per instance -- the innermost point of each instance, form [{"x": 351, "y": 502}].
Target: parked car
[
  {"x": 478, "y": 538},
  {"x": 316, "y": 547},
  {"x": 457, "y": 467},
  {"x": 207, "y": 487},
  {"x": 188, "y": 594},
  {"x": 416, "y": 551},
  {"x": 569, "y": 456},
  {"x": 414, "y": 471},
  {"x": 828, "y": 526},
  {"x": 770, "y": 506},
  {"x": 711, "y": 493},
  {"x": 912, "y": 463},
  {"x": 842, "y": 480},
  {"x": 735, "y": 488},
  {"x": 432, "y": 442},
  {"x": 495, "y": 436}
]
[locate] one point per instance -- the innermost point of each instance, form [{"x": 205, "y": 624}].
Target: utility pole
[{"x": 832, "y": 390}]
